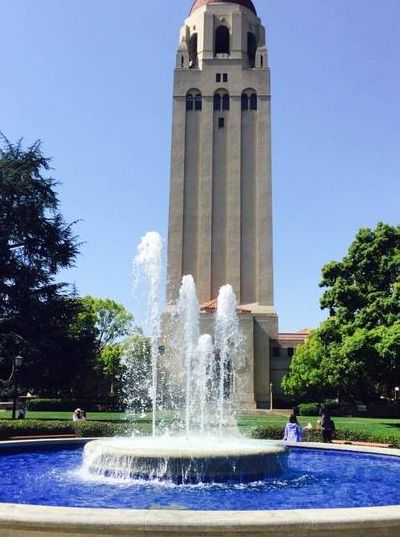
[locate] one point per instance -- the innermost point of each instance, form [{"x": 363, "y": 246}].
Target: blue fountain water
[{"x": 314, "y": 479}]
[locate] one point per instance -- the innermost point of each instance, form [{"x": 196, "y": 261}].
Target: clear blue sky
[{"x": 93, "y": 80}]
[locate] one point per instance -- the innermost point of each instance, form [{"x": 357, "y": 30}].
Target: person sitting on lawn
[{"x": 77, "y": 415}]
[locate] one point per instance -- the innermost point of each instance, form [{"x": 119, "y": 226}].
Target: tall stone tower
[{"x": 220, "y": 219}]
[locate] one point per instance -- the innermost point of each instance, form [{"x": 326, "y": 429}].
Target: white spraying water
[
  {"x": 203, "y": 376},
  {"x": 228, "y": 342},
  {"x": 188, "y": 311},
  {"x": 147, "y": 269}
]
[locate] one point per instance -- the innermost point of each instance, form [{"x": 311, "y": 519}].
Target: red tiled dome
[{"x": 245, "y": 3}]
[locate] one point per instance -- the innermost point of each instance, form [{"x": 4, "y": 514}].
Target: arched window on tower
[
  {"x": 217, "y": 101},
  {"x": 193, "y": 52},
  {"x": 189, "y": 101},
  {"x": 221, "y": 100},
  {"x": 194, "y": 101},
  {"x": 253, "y": 101},
  {"x": 222, "y": 40},
  {"x": 249, "y": 100},
  {"x": 251, "y": 48},
  {"x": 198, "y": 102},
  {"x": 225, "y": 101}
]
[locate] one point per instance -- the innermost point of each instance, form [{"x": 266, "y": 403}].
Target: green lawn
[
  {"x": 372, "y": 425},
  {"x": 245, "y": 421}
]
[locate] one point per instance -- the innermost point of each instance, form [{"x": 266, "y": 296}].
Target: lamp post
[
  {"x": 17, "y": 364},
  {"x": 396, "y": 393},
  {"x": 271, "y": 397}
]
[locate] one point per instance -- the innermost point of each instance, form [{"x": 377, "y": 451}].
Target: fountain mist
[{"x": 147, "y": 263}]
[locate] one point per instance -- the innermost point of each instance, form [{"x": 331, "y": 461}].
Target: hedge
[
  {"x": 10, "y": 428},
  {"x": 275, "y": 432},
  {"x": 335, "y": 408},
  {"x": 66, "y": 405}
]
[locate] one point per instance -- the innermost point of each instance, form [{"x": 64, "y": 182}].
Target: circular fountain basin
[
  {"x": 18, "y": 520},
  {"x": 186, "y": 460}
]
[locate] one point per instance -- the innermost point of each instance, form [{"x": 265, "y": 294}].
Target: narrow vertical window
[
  {"x": 222, "y": 40},
  {"x": 251, "y": 48},
  {"x": 189, "y": 101},
  {"x": 221, "y": 122},
  {"x": 218, "y": 77},
  {"x": 225, "y": 102},
  {"x": 198, "y": 102},
  {"x": 217, "y": 101},
  {"x": 225, "y": 77},
  {"x": 253, "y": 101},
  {"x": 193, "y": 52},
  {"x": 245, "y": 101}
]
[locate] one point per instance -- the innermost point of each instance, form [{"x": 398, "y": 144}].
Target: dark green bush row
[
  {"x": 67, "y": 405},
  {"x": 275, "y": 432},
  {"x": 309, "y": 409},
  {"x": 9, "y": 428},
  {"x": 335, "y": 408}
]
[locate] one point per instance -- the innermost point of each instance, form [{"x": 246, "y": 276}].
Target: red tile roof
[
  {"x": 245, "y": 3},
  {"x": 212, "y": 305}
]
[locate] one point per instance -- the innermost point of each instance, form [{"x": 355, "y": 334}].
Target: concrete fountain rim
[
  {"x": 39, "y": 521},
  {"x": 249, "y": 448}
]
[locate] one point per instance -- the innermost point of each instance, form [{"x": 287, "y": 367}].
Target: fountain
[
  {"x": 204, "y": 377},
  {"x": 206, "y": 479}
]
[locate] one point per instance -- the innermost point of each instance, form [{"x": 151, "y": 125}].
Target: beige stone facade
[{"x": 220, "y": 219}]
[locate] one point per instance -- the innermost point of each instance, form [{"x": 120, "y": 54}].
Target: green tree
[
  {"x": 355, "y": 353},
  {"x": 35, "y": 244},
  {"x": 135, "y": 374},
  {"x": 110, "y": 323}
]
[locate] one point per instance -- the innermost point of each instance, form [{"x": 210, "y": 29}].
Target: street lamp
[
  {"x": 396, "y": 393},
  {"x": 271, "y": 397},
  {"x": 17, "y": 364}
]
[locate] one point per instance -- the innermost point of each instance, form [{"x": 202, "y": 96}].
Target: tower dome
[{"x": 245, "y": 3}]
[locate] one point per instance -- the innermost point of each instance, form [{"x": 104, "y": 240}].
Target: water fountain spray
[{"x": 148, "y": 263}]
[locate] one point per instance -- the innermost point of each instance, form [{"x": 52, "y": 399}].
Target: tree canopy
[
  {"x": 35, "y": 244},
  {"x": 355, "y": 353},
  {"x": 109, "y": 320}
]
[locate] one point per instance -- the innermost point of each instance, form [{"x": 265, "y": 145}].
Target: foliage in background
[
  {"x": 135, "y": 374},
  {"x": 355, "y": 353},
  {"x": 36, "y": 310},
  {"x": 110, "y": 323},
  {"x": 346, "y": 434}
]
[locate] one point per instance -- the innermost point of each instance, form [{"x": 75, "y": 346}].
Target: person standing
[
  {"x": 293, "y": 431},
  {"x": 327, "y": 426}
]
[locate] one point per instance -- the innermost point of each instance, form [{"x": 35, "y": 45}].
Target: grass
[
  {"x": 246, "y": 421},
  {"x": 370, "y": 425}
]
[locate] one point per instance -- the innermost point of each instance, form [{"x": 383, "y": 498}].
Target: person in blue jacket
[{"x": 293, "y": 431}]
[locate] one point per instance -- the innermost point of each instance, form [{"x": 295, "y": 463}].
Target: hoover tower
[{"x": 220, "y": 218}]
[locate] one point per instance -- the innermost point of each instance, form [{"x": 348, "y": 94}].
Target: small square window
[
  {"x": 290, "y": 352},
  {"x": 225, "y": 77},
  {"x": 218, "y": 77},
  {"x": 221, "y": 122}
]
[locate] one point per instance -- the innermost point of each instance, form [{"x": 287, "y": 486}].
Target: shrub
[
  {"x": 10, "y": 428},
  {"x": 335, "y": 407},
  {"x": 67, "y": 405},
  {"x": 275, "y": 432},
  {"x": 309, "y": 409}
]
